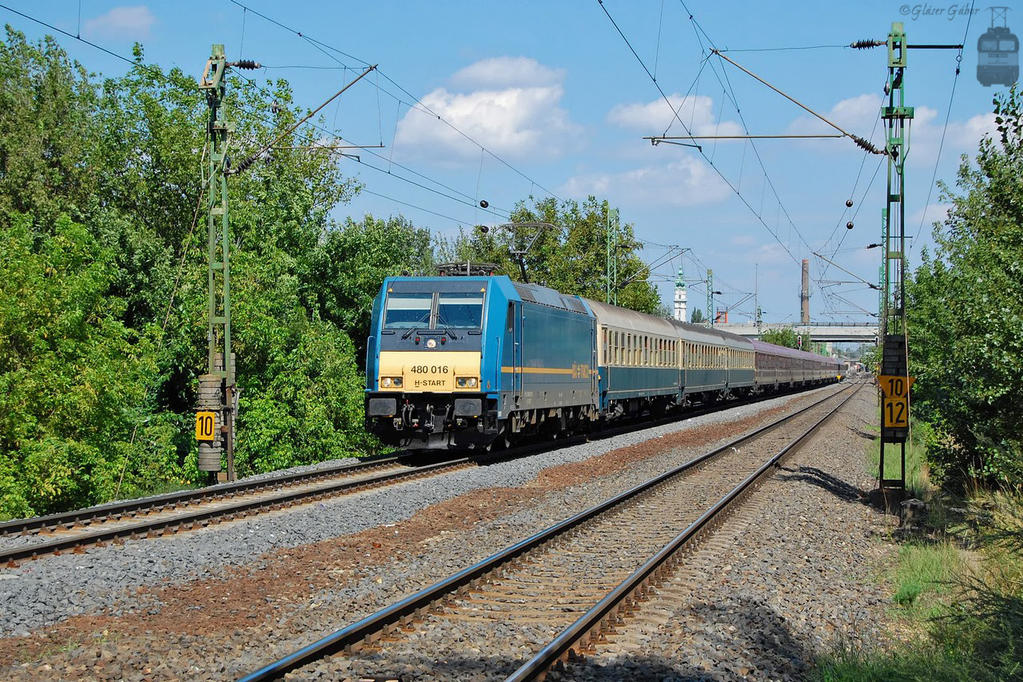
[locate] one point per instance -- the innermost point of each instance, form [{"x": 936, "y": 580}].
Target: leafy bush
[{"x": 965, "y": 308}]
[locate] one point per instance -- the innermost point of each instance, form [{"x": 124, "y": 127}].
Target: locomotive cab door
[{"x": 513, "y": 332}]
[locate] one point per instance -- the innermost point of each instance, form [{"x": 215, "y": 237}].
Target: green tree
[
  {"x": 788, "y": 338},
  {"x": 100, "y": 211},
  {"x": 47, "y": 133},
  {"x": 378, "y": 248},
  {"x": 697, "y": 317},
  {"x": 72, "y": 376},
  {"x": 965, "y": 310},
  {"x": 780, "y": 337},
  {"x": 570, "y": 257}
]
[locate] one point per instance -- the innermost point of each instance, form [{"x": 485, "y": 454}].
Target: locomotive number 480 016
[{"x": 429, "y": 369}]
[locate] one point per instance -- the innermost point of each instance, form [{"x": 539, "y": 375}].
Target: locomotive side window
[{"x": 404, "y": 311}]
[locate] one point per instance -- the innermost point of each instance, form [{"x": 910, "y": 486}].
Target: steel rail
[
  {"x": 562, "y": 645},
  {"x": 113, "y": 512},
  {"x": 374, "y": 624},
  {"x": 155, "y": 503},
  {"x": 160, "y": 502},
  {"x": 190, "y": 519}
]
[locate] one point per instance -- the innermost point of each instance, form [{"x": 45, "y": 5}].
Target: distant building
[{"x": 680, "y": 297}]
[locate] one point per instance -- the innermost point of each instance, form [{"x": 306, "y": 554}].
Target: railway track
[
  {"x": 191, "y": 509},
  {"x": 573, "y": 580}
]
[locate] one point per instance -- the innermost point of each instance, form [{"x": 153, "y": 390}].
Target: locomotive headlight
[
  {"x": 467, "y": 382},
  {"x": 390, "y": 382}
]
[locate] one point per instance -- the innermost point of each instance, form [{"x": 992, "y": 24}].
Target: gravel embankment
[
  {"x": 789, "y": 577},
  {"x": 10, "y": 541},
  {"x": 306, "y": 571}
]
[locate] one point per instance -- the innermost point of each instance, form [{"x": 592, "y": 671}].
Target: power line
[
  {"x": 415, "y": 206},
  {"x": 417, "y": 102},
  {"x": 470, "y": 200},
  {"x": 267, "y": 93},
  {"x": 252, "y": 158},
  {"x": 726, "y": 83},
  {"x": 688, "y": 131},
  {"x": 856, "y": 182},
  {"x": 80, "y": 39},
  {"x": 859, "y": 205},
  {"x": 698, "y": 30},
  {"x": 782, "y": 49}
]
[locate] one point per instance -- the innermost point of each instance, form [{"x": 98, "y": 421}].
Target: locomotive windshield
[
  {"x": 434, "y": 310},
  {"x": 997, "y": 45},
  {"x": 460, "y": 311},
  {"x": 405, "y": 311}
]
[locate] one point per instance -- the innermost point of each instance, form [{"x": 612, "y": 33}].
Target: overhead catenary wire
[
  {"x": 416, "y": 206},
  {"x": 784, "y": 49},
  {"x": 684, "y": 126},
  {"x": 164, "y": 78},
  {"x": 860, "y": 142},
  {"x": 416, "y": 101},
  {"x": 859, "y": 205},
  {"x": 856, "y": 182},
  {"x": 388, "y": 171},
  {"x": 726, "y": 84},
  {"x": 253, "y": 157},
  {"x": 701, "y": 34}
]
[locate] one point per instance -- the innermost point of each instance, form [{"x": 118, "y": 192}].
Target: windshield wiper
[
  {"x": 445, "y": 328},
  {"x": 413, "y": 328}
]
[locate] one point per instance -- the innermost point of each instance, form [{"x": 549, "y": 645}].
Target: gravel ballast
[{"x": 384, "y": 552}]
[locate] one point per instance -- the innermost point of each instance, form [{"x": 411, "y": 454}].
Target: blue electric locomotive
[{"x": 459, "y": 362}]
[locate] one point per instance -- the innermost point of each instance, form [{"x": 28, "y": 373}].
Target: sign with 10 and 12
[{"x": 895, "y": 405}]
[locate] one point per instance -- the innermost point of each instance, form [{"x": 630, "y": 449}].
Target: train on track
[{"x": 469, "y": 362}]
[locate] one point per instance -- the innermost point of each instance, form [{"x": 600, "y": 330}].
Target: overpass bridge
[{"x": 836, "y": 332}]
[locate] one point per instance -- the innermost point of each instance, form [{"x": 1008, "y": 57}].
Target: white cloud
[
  {"x": 653, "y": 117},
  {"x": 960, "y": 137},
  {"x": 121, "y": 22},
  {"x": 932, "y": 213},
  {"x": 686, "y": 182},
  {"x": 858, "y": 115},
  {"x": 742, "y": 240},
  {"x": 515, "y": 111},
  {"x": 855, "y": 114},
  {"x": 506, "y": 72},
  {"x": 769, "y": 254}
]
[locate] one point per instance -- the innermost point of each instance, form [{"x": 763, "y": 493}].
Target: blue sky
[{"x": 560, "y": 105}]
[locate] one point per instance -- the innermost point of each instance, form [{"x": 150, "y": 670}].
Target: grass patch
[
  {"x": 964, "y": 611},
  {"x": 924, "y": 572},
  {"x": 917, "y": 471}
]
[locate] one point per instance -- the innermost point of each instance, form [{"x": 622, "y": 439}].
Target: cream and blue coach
[{"x": 649, "y": 363}]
